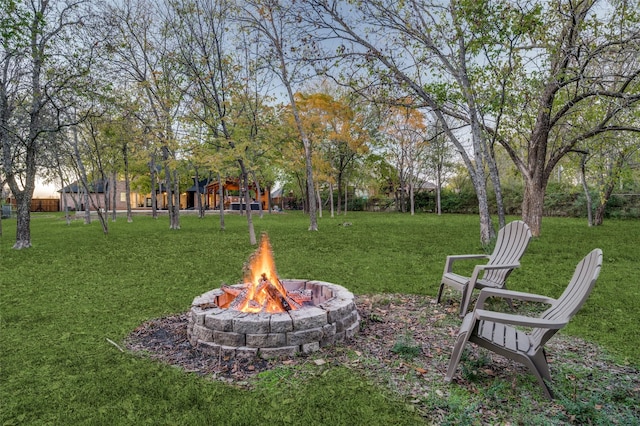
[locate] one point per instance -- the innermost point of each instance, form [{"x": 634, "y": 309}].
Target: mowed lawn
[{"x": 65, "y": 300}]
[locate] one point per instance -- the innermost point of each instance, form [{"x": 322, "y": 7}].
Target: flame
[{"x": 261, "y": 266}]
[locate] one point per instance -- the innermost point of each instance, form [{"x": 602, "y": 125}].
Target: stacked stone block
[{"x": 332, "y": 317}]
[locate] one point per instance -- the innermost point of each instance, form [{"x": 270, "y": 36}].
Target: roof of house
[
  {"x": 200, "y": 188},
  {"x": 94, "y": 187}
]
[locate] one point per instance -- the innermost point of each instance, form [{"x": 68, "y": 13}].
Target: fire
[{"x": 264, "y": 291}]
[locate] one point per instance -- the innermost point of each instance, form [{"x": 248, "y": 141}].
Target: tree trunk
[
  {"x": 585, "y": 187},
  {"x": 533, "y": 206},
  {"x": 197, "y": 198},
  {"x": 412, "y": 204},
  {"x": 599, "y": 217},
  {"x": 176, "y": 200},
  {"x": 247, "y": 198},
  {"x": 331, "y": 197},
  {"x": 103, "y": 213},
  {"x": 346, "y": 192},
  {"x": 221, "y": 201},
  {"x": 339, "y": 195},
  {"x": 268, "y": 190},
  {"x": 127, "y": 183},
  {"x": 497, "y": 189},
  {"x": 439, "y": 189},
  {"x": 154, "y": 187},
  {"x": 114, "y": 196},
  {"x": 258, "y": 193},
  {"x": 171, "y": 208},
  {"x": 23, "y": 216},
  {"x": 168, "y": 189},
  {"x": 87, "y": 205}
]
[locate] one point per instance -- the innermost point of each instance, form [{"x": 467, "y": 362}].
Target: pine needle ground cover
[{"x": 68, "y": 303}]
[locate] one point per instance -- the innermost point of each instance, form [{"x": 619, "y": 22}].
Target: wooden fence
[
  {"x": 40, "y": 204},
  {"x": 45, "y": 205}
]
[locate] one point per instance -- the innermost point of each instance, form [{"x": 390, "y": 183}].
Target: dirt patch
[{"x": 404, "y": 343}]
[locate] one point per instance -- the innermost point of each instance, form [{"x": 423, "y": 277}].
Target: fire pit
[{"x": 269, "y": 317}]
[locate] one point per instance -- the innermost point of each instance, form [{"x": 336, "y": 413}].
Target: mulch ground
[{"x": 404, "y": 343}]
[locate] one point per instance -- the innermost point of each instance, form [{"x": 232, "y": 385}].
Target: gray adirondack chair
[
  {"x": 498, "y": 333},
  {"x": 511, "y": 243}
]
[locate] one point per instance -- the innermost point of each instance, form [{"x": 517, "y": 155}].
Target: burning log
[
  {"x": 254, "y": 305},
  {"x": 232, "y": 291},
  {"x": 239, "y": 300},
  {"x": 274, "y": 294}
]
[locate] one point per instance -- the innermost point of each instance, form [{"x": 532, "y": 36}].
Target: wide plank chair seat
[
  {"x": 503, "y": 333},
  {"x": 452, "y": 279},
  {"x": 507, "y": 337}
]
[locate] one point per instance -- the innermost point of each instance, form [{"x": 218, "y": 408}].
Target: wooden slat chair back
[
  {"x": 499, "y": 332},
  {"x": 511, "y": 243},
  {"x": 573, "y": 297}
]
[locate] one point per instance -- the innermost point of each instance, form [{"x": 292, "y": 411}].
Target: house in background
[
  {"x": 232, "y": 198},
  {"x": 197, "y": 190},
  {"x": 48, "y": 198},
  {"x": 72, "y": 196}
]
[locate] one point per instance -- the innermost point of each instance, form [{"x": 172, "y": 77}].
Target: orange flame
[{"x": 261, "y": 266}]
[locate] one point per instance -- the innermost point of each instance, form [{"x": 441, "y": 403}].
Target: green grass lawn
[{"x": 75, "y": 288}]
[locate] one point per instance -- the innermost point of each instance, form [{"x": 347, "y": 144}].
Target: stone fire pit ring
[{"x": 331, "y": 317}]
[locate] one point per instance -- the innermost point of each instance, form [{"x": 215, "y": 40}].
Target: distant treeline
[{"x": 559, "y": 201}]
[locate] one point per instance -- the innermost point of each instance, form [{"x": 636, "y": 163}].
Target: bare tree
[
  {"x": 42, "y": 68},
  {"x": 140, "y": 51},
  {"x": 277, "y": 25},
  {"x": 439, "y": 159},
  {"x": 537, "y": 78},
  {"x": 201, "y": 27},
  {"x": 584, "y": 85},
  {"x": 607, "y": 158},
  {"x": 405, "y": 144},
  {"x": 400, "y": 45}
]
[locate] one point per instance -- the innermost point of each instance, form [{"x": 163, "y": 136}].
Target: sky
[{"x": 45, "y": 190}]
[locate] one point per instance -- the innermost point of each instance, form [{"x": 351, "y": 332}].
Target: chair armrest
[
  {"x": 486, "y": 293},
  {"x": 448, "y": 266},
  {"x": 514, "y": 319},
  {"x": 500, "y": 266}
]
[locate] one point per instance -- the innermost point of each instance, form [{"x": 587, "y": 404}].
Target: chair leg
[
  {"x": 456, "y": 354},
  {"x": 539, "y": 368},
  {"x": 455, "y": 357},
  {"x": 467, "y": 293},
  {"x": 440, "y": 293},
  {"x": 540, "y": 362}
]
